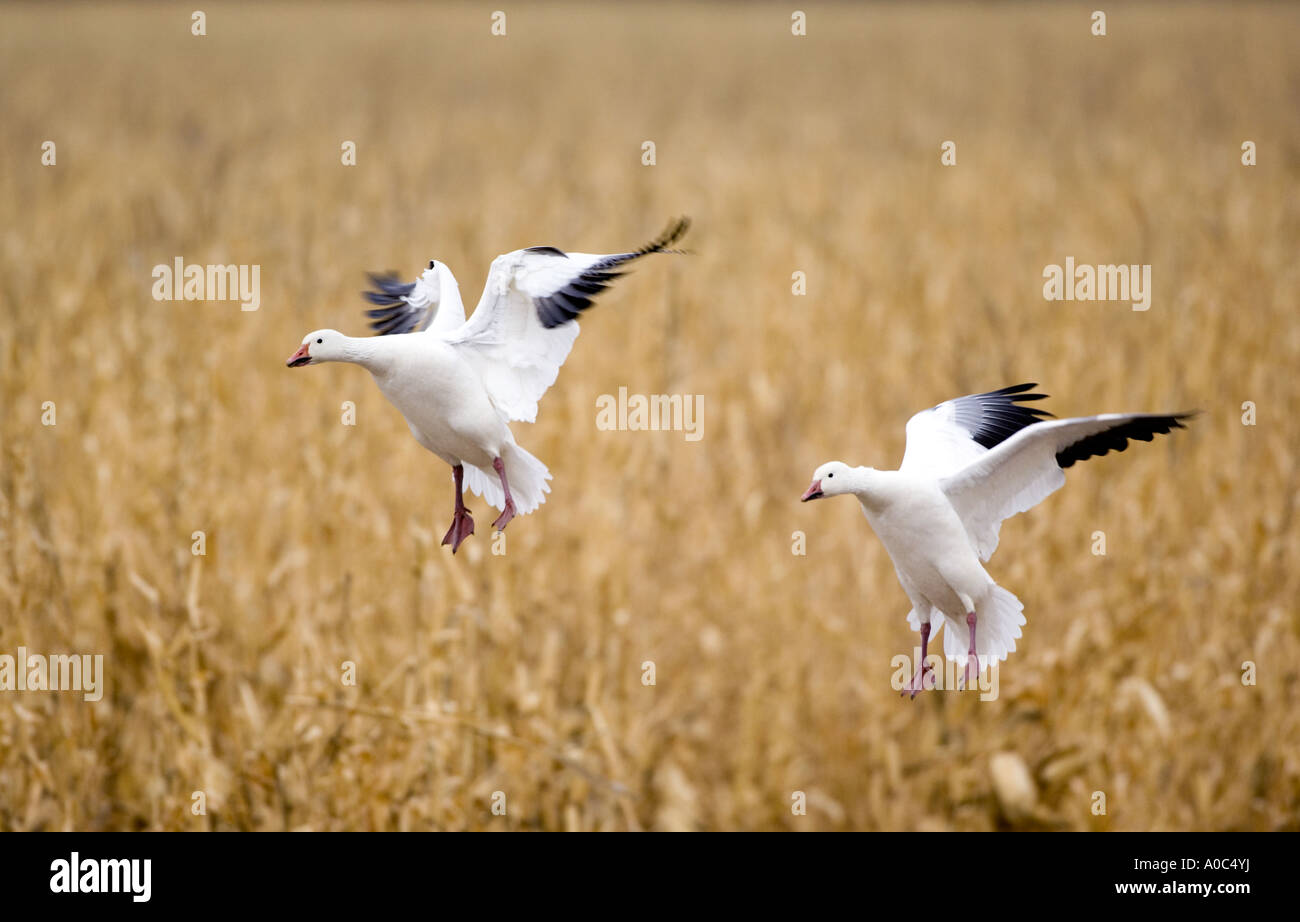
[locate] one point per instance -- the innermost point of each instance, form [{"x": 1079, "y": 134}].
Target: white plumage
[
  {"x": 459, "y": 383},
  {"x": 969, "y": 464}
]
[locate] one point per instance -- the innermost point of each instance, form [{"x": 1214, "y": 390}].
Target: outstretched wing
[
  {"x": 946, "y": 438},
  {"x": 525, "y": 323},
  {"x": 432, "y": 301},
  {"x": 1029, "y": 466}
]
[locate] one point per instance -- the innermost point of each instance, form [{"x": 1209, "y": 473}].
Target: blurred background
[{"x": 522, "y": 673}]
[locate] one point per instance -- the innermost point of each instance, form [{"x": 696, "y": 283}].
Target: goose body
[
  {"x": 459, "y": 382},
  {"x": 971, "y": 463},
  {"x": 939, "y": 569},
  {"x": 442, "y": 399}
]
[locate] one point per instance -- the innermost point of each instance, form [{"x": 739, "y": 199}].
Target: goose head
[{"x": 318, "y": 346}]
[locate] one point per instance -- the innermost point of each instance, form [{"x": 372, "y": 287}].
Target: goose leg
[
  {"x": 918, "y": 681},
  {"x": 462, "y": 525},
  {"x": 509, "y": 512},
  {"x": 972, "y": 658}
]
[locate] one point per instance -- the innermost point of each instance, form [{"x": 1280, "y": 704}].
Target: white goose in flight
[
  {"x": 969, "y": 464},
  {"x": 458, "y": 382}
]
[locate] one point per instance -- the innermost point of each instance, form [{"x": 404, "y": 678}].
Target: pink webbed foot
[
  {"x": 506, "y": 515},
  {"x": 972, "y": 658},
  {"x": 918, "y": 683},
  {"x": 508, "y": 512},
  {"x": 462, "y": 526}
]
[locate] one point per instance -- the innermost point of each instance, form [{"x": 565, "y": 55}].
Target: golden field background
[{"x": 522, "y": 673}]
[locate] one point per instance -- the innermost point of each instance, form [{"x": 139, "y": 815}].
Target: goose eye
[
  {"x": 320, "y": 340},
  {"x": 828, "y": 475},
  {"x": 431, "y": 264}
]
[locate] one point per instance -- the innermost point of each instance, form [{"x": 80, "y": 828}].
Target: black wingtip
[
  {"x": 389, "y": 284},
  {"x": 1019, "y": 389},
  {"x": 568, "y": 302},
  {"x": 1117, "y": 438},
  {"x": 995, "y": 416},
  {"x": 391, "y": 313},
  {"x": 676, "y": 230}
]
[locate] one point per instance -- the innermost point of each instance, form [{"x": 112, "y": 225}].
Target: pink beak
[
  {"x": 301, "y": 357},
  {"x": 813, "y": 491}
]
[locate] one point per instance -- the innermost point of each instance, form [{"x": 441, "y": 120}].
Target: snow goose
[
  {"x": 459, "y": 383},
  {"x": 969, "y": 464}
]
